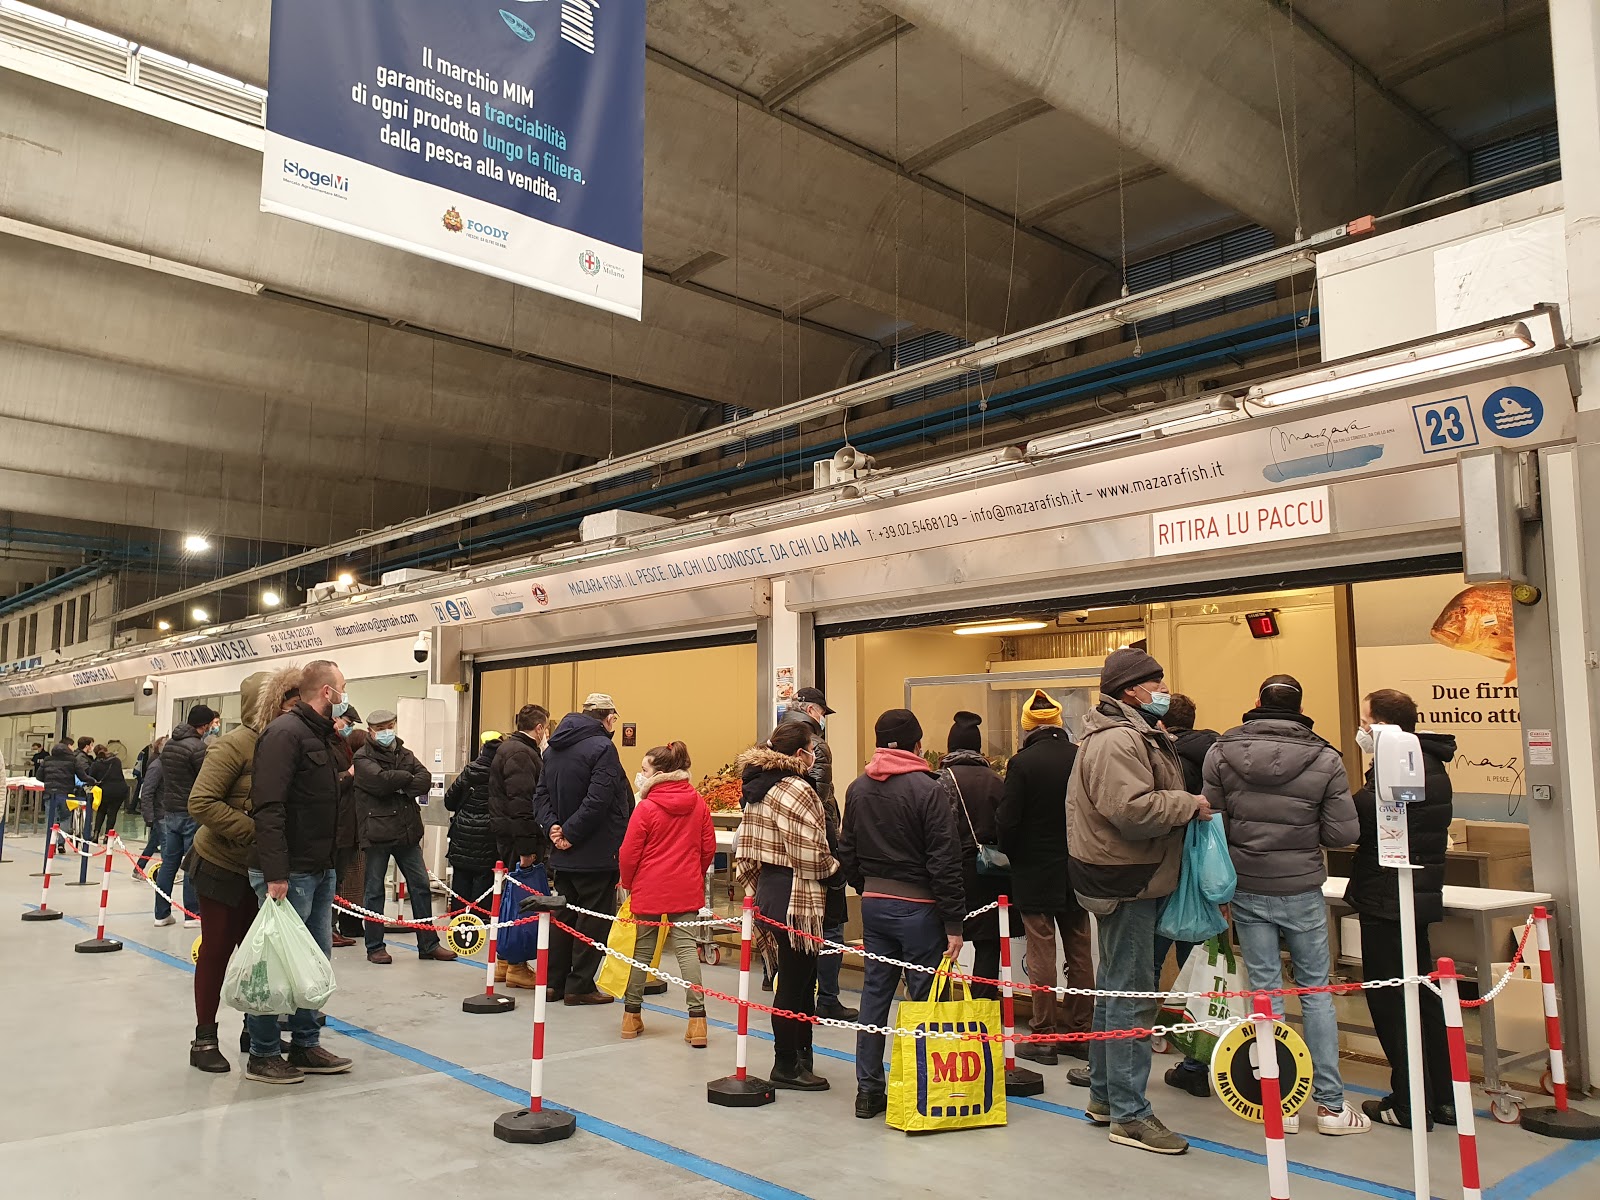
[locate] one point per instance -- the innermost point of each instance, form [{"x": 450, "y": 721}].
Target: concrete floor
[{"x": 97, "y": 1044}]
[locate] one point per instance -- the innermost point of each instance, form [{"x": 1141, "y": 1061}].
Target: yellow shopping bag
[
  {"x": 948, "y": 1081},
  {"x": 613, "y": 977}
]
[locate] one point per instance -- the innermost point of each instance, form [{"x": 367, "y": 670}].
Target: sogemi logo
[{"x": 317, "y": 181}]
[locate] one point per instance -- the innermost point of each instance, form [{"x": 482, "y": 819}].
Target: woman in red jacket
[{"x": 664, "y": 858}]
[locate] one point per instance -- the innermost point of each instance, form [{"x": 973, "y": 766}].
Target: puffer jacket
[
  {"x": 220, "y": 799},
  {"x": 1193, "y": 745},
  {"x": 1033, "y": 821},
  {"x": 899, "y": 836},
  {"x": 295, "y": 795},
  {"x": 150, "y": 794},
  {"x": 582, "y": 789},
  {"x": 669, "y": 846},
  {"x": 1374, "y": 891},
  {"x": 1126, "y": 809},
  {"x": 113, "y": 781},
  {"x": 389, "y": 781},
  {"x": 976, "y": 793},
  {"x": 180, "y": 766},
  {"x": 1285, "y": 796},
  {"x": 514, "y": 775},
  {"x": 58, "y": 772},
  {"x": 473, "y": 846}
]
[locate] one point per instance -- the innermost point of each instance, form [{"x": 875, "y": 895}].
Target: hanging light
[
  {"x": 271, "y": 599},
  {"x": 164, "y": 626},
  {"x": 999, "y": 627},
  {"x": 200, "y": 614},
  {"x": 196, "y": 543}
]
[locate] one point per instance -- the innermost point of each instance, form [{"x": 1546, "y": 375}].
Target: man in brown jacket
[{"x": 1126, "y": 811}]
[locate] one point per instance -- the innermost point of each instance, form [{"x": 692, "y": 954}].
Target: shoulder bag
[{"x": 991, "y": 859}]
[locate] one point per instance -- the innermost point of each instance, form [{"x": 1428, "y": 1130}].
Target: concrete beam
[{"x": 1198, "y": 97}]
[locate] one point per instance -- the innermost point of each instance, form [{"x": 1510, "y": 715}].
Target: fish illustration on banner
[{"x": 1479, "y": 621}]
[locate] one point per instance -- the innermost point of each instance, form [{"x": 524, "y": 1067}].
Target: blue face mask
[
  {"x": 385, "y": 737},
  {"x": 1157, "y": 705},
  {"x": 214, "y": 731},
  {"x": 345, "y": 732}
]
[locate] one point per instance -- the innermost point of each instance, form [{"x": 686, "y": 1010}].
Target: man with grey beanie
[{"x": 1127, "y": 807}]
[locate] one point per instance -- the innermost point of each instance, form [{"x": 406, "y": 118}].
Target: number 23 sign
[{"x": 1446, "y": 425}]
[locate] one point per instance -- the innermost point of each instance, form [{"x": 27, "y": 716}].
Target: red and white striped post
[
  {"x": 44, "y": 912},
  {"x": 1020, "y": 1081},
  {"x": 100, "y": 943},
  {"x": 741, "y": 1089},
  {"x": 489, "y": 1002},
  {"x": 1271, "y": 1098},
  {"x": 537, "y": 1124},
  {"x": 1560, "y": 1121},
  {"x": 1460, "y": 1080}
]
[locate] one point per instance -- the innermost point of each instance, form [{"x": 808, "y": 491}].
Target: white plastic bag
[
  {"x": 279, "y": 967},
  {"x": 1211, "y": 967}
]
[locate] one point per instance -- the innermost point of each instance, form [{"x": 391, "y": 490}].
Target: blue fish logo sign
[{"x": 518, "y": 26}]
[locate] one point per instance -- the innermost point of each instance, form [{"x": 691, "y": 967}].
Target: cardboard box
[{"x": 1519, "y": 1010}]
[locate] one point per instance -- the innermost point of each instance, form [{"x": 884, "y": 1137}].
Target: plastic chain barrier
[
  {"x": 122, "y": 849},
  {"x": 89, "y": 849},
  {"x": 466, "y": 905},
  {"x": 399, "y": 923},
  {"x": 1218, "y": 1025},
  {"x": 1511, "y": 969}
]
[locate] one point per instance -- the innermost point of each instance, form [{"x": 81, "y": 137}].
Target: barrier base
[
  {"x": 98, "y": 946},
  {"x": 1022, "y": 1082},
  {"x": 655, "y": 988},
  {"x": 734, "y": 1092},
  {"x": 43, "y": 914},
  {"x": 535, "y": 1128},
  {"x": 1571, "y": 1126},
  {"x": 483, "y": 1003}
]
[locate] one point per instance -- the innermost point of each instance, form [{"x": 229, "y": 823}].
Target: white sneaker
[
  {"x": 1292, "y": 1124},
  {"x": 191, "y": 923},
  {"x": 1345, "y": 1120},
  {"x": 163, "y": 922}
]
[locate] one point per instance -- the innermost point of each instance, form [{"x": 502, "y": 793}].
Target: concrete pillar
[{"x": 786, "y": 655}]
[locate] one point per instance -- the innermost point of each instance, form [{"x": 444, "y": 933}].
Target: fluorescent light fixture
[
  {"x": 271, "y": 599},
  {"x": 200, "y": 614},
  {"x": 196, "y": 543},
  {"x": 999, "y": 627},
  {"x": 164, "y": 626},
  {"x": 1377, "y": 370},
  {"x": 345, "y": 579}
]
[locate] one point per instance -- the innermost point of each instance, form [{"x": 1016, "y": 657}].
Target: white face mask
[
  {"x": 640, "y": 780},
  {"x": 1365, "y": 741}
]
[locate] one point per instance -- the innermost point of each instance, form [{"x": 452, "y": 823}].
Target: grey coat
[{"x": 1285, "y": 796}]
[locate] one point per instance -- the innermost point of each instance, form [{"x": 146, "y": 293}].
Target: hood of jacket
[
  {"x": 486, "y": 755},
  {"x": 575, "y": 728},
  {"x": 673, "y": 792},
  {"x": 888, "y": 763},
  {"x": 1439, "y": 745},
  {"x": 261, "y": 695},
  {"x": 1108, "y": 714},
  {"x": 1193, "y": 743},
  {"x": 1271, "y": 750},
  {"x": 965, "y": 758},
  {"x": 760, "y": 767},
  {"x": 183, "y": 733}
]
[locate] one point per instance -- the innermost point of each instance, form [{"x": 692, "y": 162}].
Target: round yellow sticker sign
[
  {"x": 1236, "y": 1074},
  {"x": 468, "y": 934}
]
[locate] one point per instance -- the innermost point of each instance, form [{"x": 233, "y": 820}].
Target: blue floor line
[
  {"x": 1549, "y": 1170},
  {"x": 750, "y": 1185}
]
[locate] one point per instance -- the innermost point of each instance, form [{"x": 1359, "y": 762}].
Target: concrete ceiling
[{"x": 822, "y": 177}]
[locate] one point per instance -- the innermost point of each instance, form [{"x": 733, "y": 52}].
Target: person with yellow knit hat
[{"x": 1033, "y": 833}]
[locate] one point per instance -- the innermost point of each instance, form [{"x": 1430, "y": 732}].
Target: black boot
[
  {"x": 796, "y": 1077},
  {"x": 204, "y": 1054}
]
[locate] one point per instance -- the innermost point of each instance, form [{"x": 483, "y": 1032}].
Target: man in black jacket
[
  {"x": 1033, "y": 834},
  {"x": 60, "y": 783},
  {"x": 388, "y": 783},
  {"x": 1374, "y": 893},
  {"x": 513, "y": 779},
  {"x": 180, "y": 764},
  {"x": 900, "y": 850},
  {"x": 473, "y": 850},
  {"x": 294, "y": 798},
  {"x": 584, "y": 803}
]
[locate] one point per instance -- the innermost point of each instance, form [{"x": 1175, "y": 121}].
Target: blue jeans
[
  {"x": 152, "y": 843},
  {"x": 55, "y": 810},
  {"x": 409, "y": 860},
  {"x": 1184, "y": 949},
  {"x": 828, "y": 967},
  {"x": 1302, "y": 920},
  {"x": 899, "y": 929},
  {"x": 177, "y": 835},
  {"x": 1119, "y": 1069},
  {"x": 311, "y": 896}
]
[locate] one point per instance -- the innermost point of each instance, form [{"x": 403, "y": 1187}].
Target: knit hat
[
  {"x": 599, "y": 700},
  {"x": 898, "y": 729},
  {"x": 964, "y": 733},
  {"x": 1040, "y": 710},
  {"x": 202, "y": 715},
  {"x": 1128, "y": 668},
  {"x": 489, "y": 735}
]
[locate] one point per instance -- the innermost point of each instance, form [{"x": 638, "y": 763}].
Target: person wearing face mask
[
  {"x": 1374, "y": 893},
  {"x": 180, "y": 765},
  {"x": 1285, "y": 798},
  {"x": 1127, "y": 807},
  {"x": 583, "y": 802},
  {"x": 348, "y": 860},
  {"x": 663, "y": 862},
  {"x": 389, "y": 781},
  {"x": 514, "y": 775},
  {"x": 294, "y": 797}
]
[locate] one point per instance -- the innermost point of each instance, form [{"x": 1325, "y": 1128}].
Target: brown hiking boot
[
  {"x": 632, "y": 1025},
  {"x": 519, "y": 976},
  {"x": 380, "y": 956},
  {"x": 500, "y": 969},
  {"x": 440, "y": 953},
  {"x": 314, "y": 1060},
  {"x": 695, "y": 1035}
]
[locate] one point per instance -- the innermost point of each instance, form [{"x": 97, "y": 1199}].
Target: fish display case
[{"x": 998, "y": 697}]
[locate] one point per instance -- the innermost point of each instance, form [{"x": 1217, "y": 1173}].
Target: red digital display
[{"x": 1263, "y": 624}]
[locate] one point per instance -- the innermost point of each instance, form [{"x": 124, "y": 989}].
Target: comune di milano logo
[{"x": 589, "y": 262}]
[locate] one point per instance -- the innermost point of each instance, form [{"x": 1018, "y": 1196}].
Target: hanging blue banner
[{"x": 504, "y": 136}]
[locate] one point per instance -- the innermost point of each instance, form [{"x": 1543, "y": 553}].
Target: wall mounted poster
[{"x": 503, "y": 136}]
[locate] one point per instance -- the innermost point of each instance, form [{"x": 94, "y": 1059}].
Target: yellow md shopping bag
[
  {"x": 949, "y": 1081},
  {"x": 613, "y": 977}
]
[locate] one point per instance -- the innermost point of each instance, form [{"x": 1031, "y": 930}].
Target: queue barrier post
[
  {"x": 1460, "y": 1081},
  {"x": 49, "y": 840},
  {"x": 536, "y": 1124},
  {"x": 44, "y": 912},
  {"x": 85, "y": 828},
  {"x": 1020, "y": 1081},
  {"x": 1560, "y": 1121},
  {"x": 1271, "y": 1098},
  {"x": 490, "y": 1001},
  {"x": 100, "y": 943},
  {"x": 741, "y": 1089}
]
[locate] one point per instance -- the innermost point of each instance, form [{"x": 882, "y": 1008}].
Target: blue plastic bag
[
  {"x": 520, "y": 943},
  {"x": 1205, "y": 850},
  {"x": 1190, "y": 915}
]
